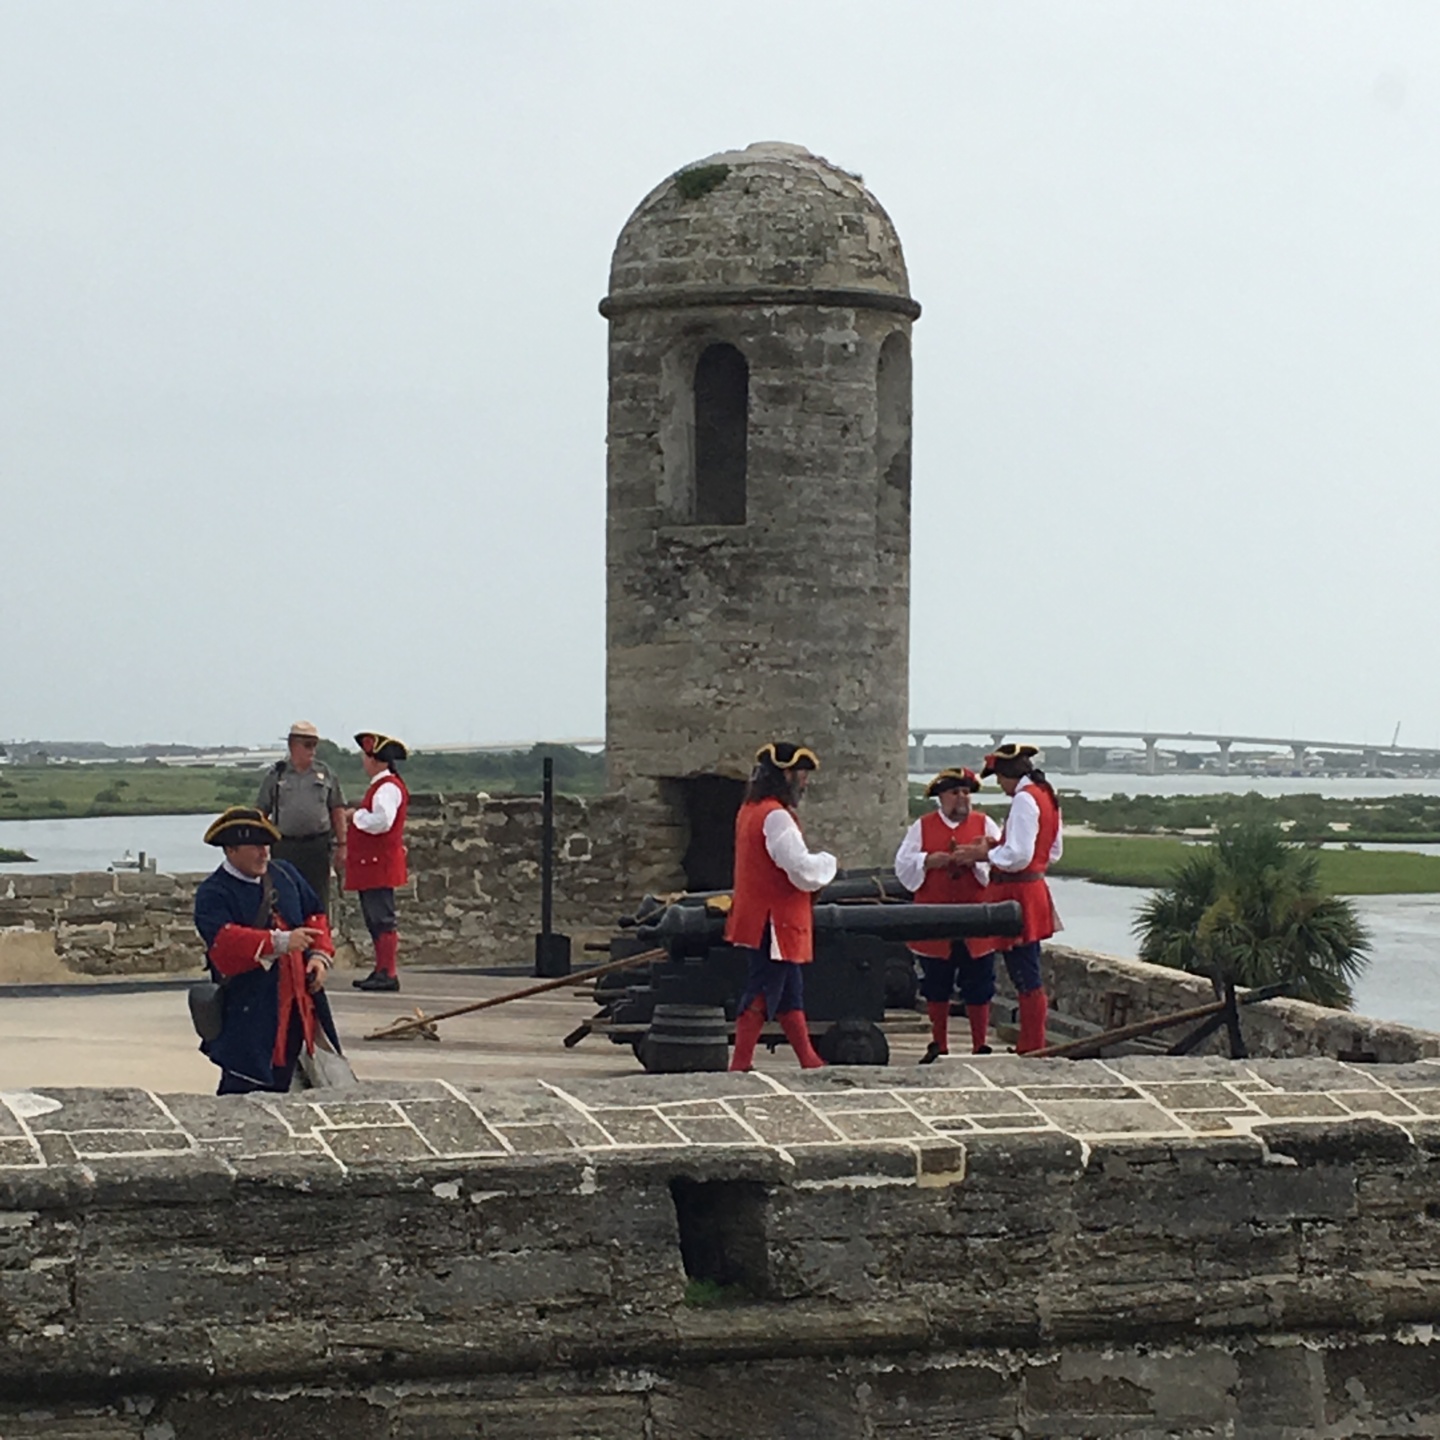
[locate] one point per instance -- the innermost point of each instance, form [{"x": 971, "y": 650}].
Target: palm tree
[{"x": 1250, "y": 909}]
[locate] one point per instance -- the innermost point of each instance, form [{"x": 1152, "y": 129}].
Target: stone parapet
[
  {"x": 108, "y": 924},
  {"x": 994, "y": 1247},
  {"x": 474, "y": 861},
  {"x": 1108, "y": 990}
]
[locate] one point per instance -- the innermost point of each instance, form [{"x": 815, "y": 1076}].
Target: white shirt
[
  {"x": 806, "y": 869},
  {"x": 910, "y": 857},
  {"x": 385, "y": 807},
  {"x": 1022, "y": 829}
]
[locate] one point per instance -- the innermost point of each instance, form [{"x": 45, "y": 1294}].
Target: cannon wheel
[
  {"x": 853, "y": 1042},
  {"x": 901, "y": 986}
]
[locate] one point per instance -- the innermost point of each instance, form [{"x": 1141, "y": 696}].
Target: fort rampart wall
[{"x": 1189, "y": 1247}]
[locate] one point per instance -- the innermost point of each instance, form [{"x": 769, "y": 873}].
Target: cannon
[{"x": 678, "y": 1016}]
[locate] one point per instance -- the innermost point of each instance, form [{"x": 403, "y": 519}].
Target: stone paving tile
[
  {"x": 968, "y": 1102},
  {"x": 357, "y": 1112},
  {"x": 452, "y": 1127},
  {"x": 1201, "y": 1096},
  {"x": 951, "y": 1124},
  {"x": 783, "y": 1120},
  {"x": 1420, "y": 1075},
  {"x": 1426, "y": 1101},
  {"x": 1040, "y": 1093},
  {"x": 1011, "y": 1122},
  {"x": 636, "y": 1127},
  {"x": 858, "y": 1079},
  {"x": 56, "y": 1149},
  {"x": 1109, "y": 1117},
  {"x": 535, "y": 1139},
  {"x": 637, "y": 1090},
  {"x": 856, "y": 1100},
  {"x": 201, "y": 1117},
  {"x": 17, "y": 1152},
  {"x": 1164, "y": 1069},
  {"x": 90, "y": 1144},
  {"x": 234, "y": 1149},
  {"x": 1297, "y": 1106},
  {"x": 9, "y": 1124},
  {"x": 712, "y": 1130},
  {"x": 1304, "y": 1076},
  {"x": 881, "y": 1125},
  {"x": 1208, "y": 1122},
  {"x": 684, "y": 1108},
  {"x": 1375, "y": 1102},
  {"x": 393, "y": 1142},
  {"x": 102, "y": 1109}
]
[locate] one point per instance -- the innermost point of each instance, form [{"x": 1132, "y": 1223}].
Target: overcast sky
[{"x": 302, "y": 384}]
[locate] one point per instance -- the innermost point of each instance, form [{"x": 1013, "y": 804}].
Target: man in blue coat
[{"x": 268, "y": 946}]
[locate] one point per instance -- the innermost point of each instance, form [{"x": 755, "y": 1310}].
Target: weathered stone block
[{"x": 92, "y": 885}]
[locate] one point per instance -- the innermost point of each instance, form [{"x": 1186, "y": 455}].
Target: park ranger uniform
[{"x": 299, "y": 802}]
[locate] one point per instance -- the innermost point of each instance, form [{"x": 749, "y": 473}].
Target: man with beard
[{"x": 928, "y": 866}]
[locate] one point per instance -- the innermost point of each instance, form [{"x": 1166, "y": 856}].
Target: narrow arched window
[
  {"x": 722, "y": 406},
  {"x": 892, "y": 438}
]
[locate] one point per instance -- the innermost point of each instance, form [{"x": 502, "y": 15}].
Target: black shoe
[
  {"x": 932, "y": 1053},
  {"x": 376, "y": 981},
  {"x": 983, "y": 1050}
]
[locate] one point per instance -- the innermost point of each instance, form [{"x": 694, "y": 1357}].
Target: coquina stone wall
[
  {"x": 107, "y": 924},
  {"x": 1110, "y": 991},
  {"x": 474, "y": 896},
  {"x": 997, "y": 1247}
]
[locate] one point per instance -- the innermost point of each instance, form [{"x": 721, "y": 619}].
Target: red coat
[
  {"x": 764, "y": 893},
  {"x": 947, "y": 887},
  {"x": 1028, "y": 885},
  {"x": 377, "y": 862}
]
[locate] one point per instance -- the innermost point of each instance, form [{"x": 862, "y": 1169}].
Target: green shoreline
[{"x": 1149, "y": 862}]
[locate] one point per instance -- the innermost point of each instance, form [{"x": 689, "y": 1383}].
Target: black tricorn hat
[
  {"x": 785, "y": 756},
  {"x": 381, "y": 747},
  {"x": 961, "y": 779},
  {"x": 242, "y": 825},
  {"x": 1008, "y": 752}
]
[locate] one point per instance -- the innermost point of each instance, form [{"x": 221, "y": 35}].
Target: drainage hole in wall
[{"x": 722, "y": 1240}]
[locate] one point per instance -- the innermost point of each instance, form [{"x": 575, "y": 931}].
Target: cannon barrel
[
  {"x": 692, "y": 926},
  {"x": 847, "y": 885},
  {"x": 921, "y": 922}
]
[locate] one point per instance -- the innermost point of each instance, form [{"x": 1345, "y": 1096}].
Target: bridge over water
[{"x": 1370, "y": 754}]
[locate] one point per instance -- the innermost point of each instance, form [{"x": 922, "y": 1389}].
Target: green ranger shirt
[{"x": 300, "y": 801}]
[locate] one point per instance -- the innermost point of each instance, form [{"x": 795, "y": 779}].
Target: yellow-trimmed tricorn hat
[
  {"x": 961, "y": 779},
  {"x": 381, "y": 747},
  {"x": 242, "y": 825},
  {"x": 1008, "y": 752},
  {"x": 785, "y": 756}
]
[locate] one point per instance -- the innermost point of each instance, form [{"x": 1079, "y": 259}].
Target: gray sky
[{"x": 302, "y": 384}]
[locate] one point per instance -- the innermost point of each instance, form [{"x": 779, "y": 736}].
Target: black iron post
[{"x": 552, "y": 951}]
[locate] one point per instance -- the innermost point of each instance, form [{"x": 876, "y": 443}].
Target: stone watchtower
[{"x": 758, "y": 545}]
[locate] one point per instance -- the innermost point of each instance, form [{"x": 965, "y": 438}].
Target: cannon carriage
[{"x": 678, "y": 1013}]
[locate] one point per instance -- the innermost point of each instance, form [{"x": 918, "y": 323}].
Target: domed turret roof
[{"x": 769, "y": 222}]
